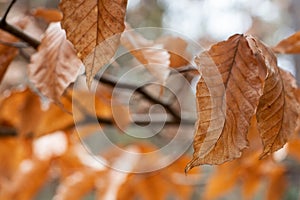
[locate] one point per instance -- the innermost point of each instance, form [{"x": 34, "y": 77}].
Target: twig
[
  {"x": 6, "y": 131},
  {"x": 141, "y": 90},
  {"x": 3, "y": 20},
  {"x": 19, "y": 34},
  {"x": 185, "y": 69},
  {"x": 19, "y": 45},
  {"x": 16, "y": 32}
]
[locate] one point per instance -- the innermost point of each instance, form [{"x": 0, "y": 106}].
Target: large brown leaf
[
  {"x": 227, "y": 97},
  {"x": 278, "y": 109},
  {"x": 55, "y": 65},
  {"x": 289, "y": 45},
  {"x": 94, "y": 27}
]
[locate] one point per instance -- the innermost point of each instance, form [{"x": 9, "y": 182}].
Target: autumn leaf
[
  {"x": 94, "y": 28},
  {"x": 278, "y": 109},
  {"x": 55, "y": 65},
  {"x": 177, "y": 48},
  {"x": 19, "y": 187},
  {"x": 76, "y": 106},
  {"x": 21, "y": 110},
  {"x": 230, "y": 87},
  {"x": 289, "y": 45},
  {"x": 49, "y": 15},
  {"x": 153, "y": 56}
]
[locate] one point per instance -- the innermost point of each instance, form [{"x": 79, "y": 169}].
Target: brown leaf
[
  {"x": 55, "y": 65},
  {"x": 177, "y": 48},
  {"x": 289, "y": 45},
  {"x": 94, "y": 27},
  {"x": 230, "y": 87},
  {"x": 156, "y": 185},
  {"x": 153, "y": 56},
  {"x": 27, "y": 181},
  {"x": 21, "y": 110},
  {"x": 278, "y": 109},
  {"x": 223, "y": 180},
  {"x": 75, "y": 106},
  {"x": 49, "y": 15},
  {"x": 294, "y": 148}
]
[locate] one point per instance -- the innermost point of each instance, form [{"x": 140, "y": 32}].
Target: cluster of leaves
[{"x": 242, "y": 96}]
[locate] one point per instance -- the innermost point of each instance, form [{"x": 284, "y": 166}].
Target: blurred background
[{"x": 205, "y": 22}]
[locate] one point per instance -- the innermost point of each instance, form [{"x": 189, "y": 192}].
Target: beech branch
[
  {"x": 30, "y": 41},
  {"x": 4, "y": 25}
]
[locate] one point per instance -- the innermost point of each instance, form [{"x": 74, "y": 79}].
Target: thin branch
[
  {"x": 16, "y": 32},
  {"x": 184, "y": 69},
  {"x": 3, "y": 20},
  {"x": 6, "y": 131},
  {"x": 20, "y": 34},
  {"x": 19, "y": 45},
  {"x": 141, "y": 90}
]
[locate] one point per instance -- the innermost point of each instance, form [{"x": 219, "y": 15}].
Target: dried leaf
[
  {"x": 94, "y": 28},
  {"x": 21, "y": 110},
  {"x": 153, "y": 56},
  {"x": 76, "y": 106},
  {"x": 49, "y": 15},
  {"x": 230, "y": 87},
  {"x": 157, "y": 185},
  {"x": 223, "y": 180},
  {"x": 76, "y": 185},
  {"x": 289, "y": 45},
  {"x": 277, "y": 182},
  {"x": 294, "y": 148},
  {"x": 278, "y": 109},
  {"x": 27, "y": 181},
  {"x": 177, "y": 48},
  {"x": 55, "y": 65}
]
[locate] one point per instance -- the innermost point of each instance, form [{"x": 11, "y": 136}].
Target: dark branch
[
  {"x": 19, "y": 45},
  {"x": 3, "y": 20},
  {"x": 185, "y": 69},
  {"x": 6, "y": 131},
  {"x": 19, "y": 34},
  {"x": 141, "y": 90},
  {"x": 16, "y": 32}
]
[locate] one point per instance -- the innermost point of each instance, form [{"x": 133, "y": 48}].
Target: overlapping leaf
[
  {"x": 230, "y": 87},
  {"x": 55, "y": 65},
  {"x": 49, "y": 15},
  {"x": 240, "y": 78},
  {"x": 94, "y": 27},
  {"x": 278, "y": 109},
  {"x": 289, "y": 45},
  {"x": 153, "y": 56},
  {"x": 177, "y": 48}
]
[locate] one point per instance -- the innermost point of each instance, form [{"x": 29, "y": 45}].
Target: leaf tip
[{"x": 189, "y": 166}]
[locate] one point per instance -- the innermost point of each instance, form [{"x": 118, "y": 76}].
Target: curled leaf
[
  {"x": 55, "y": 65},
  {"x": 227, "y": 97},
  {"x": 278, "y": 109},
  {"x": 153, "y": 56},
  {"x": 289, "y": 45}
]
